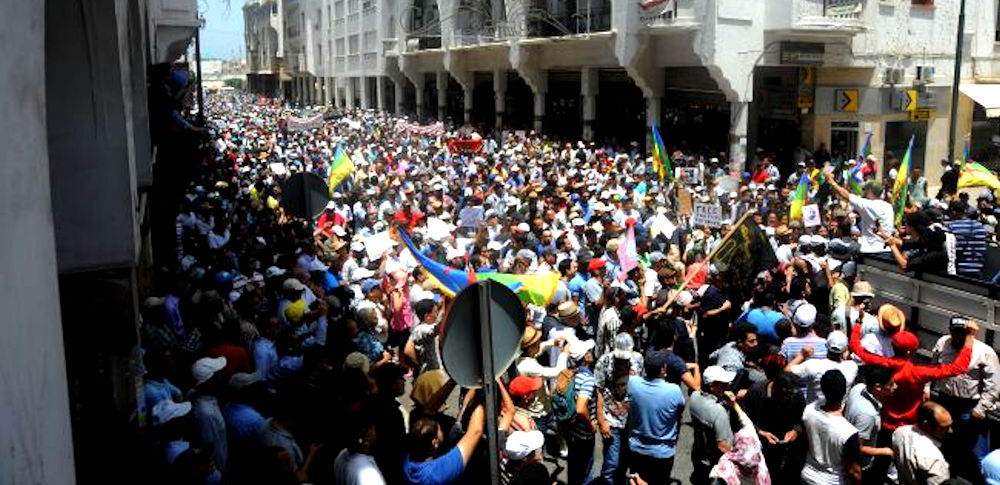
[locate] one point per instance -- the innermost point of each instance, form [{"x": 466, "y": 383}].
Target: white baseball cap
[
  {"x": 805, "y": 315},
  {"x": 521, "y": 444},
  {"x": 579, "y": 348},
  {"x": 166, "y": 410},
  {"x": 716, "y": 373},
  {"x": 204, "y": 368}
]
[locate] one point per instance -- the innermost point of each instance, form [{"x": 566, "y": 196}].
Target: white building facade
[{"x": 730, "y": 76}]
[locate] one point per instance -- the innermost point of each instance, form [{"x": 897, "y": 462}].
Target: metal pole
[
  {"x": 489, "y": 380},
  {"x": 956, "y": 82},
  {"x": 197, "y": 56}
]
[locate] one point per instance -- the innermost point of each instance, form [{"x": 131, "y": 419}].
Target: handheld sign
[
  {"x": 707, "y": 215},
  {"x": 810, "y": 215}
]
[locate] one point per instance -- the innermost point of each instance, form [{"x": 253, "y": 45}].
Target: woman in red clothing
[{"x": 901, "y": 407}]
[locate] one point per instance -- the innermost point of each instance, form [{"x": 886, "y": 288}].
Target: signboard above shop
[{"x": 802, "y": 53}]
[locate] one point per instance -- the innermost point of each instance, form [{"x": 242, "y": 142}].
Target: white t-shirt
[
  {"x": 826, "y": 435},
  {"x": 356, "y": 469},
  {"x": 813, "y": 370},
  {"x": 870, "y": 211}
]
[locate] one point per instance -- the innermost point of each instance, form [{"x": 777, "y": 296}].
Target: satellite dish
[
  {"x": 305, "y": 195},
  {"x": 464, "y": 340}
]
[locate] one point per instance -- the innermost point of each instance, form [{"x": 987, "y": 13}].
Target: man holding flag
[
  {"x": 901, "y": 186},
  {"x": 876, "y": 214}
]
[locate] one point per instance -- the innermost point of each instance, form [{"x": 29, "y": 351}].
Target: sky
[{"x": 222, "y": 37}]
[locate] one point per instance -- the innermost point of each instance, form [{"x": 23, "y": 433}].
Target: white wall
[{"x": 34, "y": 403}]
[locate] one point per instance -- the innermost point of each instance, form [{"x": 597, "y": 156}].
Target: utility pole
[{"x": 956, "y": 82}]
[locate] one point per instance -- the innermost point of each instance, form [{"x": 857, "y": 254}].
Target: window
[
  {"x": 352, "y": 44},
  {"x": 339, "y": 8},
  {"x": 844, "y": 139},
  {"x": 340, "y": 47}
]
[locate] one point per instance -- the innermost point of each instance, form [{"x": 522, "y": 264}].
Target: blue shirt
[
  {"x": 159, "y": 391},
  {"x": 265, "y": 357},
  {"x": 242, "y": 422},
  {"x": 765, "y": 321},
  {"x": 655, "y": 413},
  {"x": 444, "y": 470}
]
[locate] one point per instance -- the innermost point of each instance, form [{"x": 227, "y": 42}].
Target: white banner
[{"x": 707, "y": 215}]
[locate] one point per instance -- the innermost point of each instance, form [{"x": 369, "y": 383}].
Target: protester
[
  {"x": 917, "y": 447},
  {"x": 834, "y": 449},
  {"x": 324, "y": 321}
]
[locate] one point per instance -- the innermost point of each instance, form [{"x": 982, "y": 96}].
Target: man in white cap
[
  {"x": 580, "y": 432},
  {"x": 523, "y": 448},
  {"x": 171, "y": 428},
  {"x": 803, "y": 320},
  {"x": 210, "y": 425},
  {"x": 811, "y": 370},
  {"x": 713, "y": 435}
]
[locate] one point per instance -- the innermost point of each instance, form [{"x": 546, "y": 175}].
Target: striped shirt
[
  {"x": 793, "y": 345},
  {"x": 583, "y": 386},
  {"x": 970, "y": 246}
]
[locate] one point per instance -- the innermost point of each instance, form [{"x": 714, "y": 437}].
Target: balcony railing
[
  {"x": 842, "y": 16},
  {"x": 843, "y": 9},
  {"x": 675, "y": 13}
]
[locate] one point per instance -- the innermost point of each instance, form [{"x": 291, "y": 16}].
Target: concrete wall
[
  {"x": 34, "y": 403},
  {"x": 91, "y": 149}
]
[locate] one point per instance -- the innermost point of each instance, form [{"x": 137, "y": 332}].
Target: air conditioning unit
[
  {"x": 925, "y": 74},
  {"x": 894, "y": 75}
]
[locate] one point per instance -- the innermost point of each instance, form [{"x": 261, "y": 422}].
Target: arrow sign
[
  {"x": 846, "y": 100},
  {"x": 911, "y": 100}
]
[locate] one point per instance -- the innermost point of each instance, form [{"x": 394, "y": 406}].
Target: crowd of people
[{"x": 279, "y": 349}]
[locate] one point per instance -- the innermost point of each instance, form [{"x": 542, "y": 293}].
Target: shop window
[{"x": 844, "y": 140}]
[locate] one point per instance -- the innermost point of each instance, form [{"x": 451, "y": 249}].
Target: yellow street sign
[
  {"x": 911, "y": 100},
  {"x": 846, "y": 100},
  {"x": 921, "y": 114}
]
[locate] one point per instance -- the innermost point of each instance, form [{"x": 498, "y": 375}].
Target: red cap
[
  {"x": 596, "y": 263},
  {"x": 523, "y": 386},
  {"x": 905, "y": 341}
]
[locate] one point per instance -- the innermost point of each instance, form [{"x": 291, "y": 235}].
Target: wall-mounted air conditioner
[
  {"x": 925, "y": 74},
  {"x": 894, "y": 75}
]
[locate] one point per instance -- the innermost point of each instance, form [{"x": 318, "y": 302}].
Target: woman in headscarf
[{"x": 744, "y": 463}]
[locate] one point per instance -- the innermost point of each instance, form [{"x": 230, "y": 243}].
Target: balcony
[
  {"x": 836, "y": 17},
  {"x": 668, "y": 14}
]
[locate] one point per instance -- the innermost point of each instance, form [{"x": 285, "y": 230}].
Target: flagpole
[{"x": 708, "y": 260}]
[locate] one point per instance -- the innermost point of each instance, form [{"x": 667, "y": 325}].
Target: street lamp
[{"x": 956, "y": 82}]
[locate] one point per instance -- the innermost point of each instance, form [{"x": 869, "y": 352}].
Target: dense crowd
[{"x": 277, "y": 349}]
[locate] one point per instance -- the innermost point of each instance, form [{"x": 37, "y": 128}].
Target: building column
[
  {"x": 467, "y": 104},
  {"x": 419, "y": 88},
  {"x": 441, "y": 77},
  {"x": 349, "y": 92},
  {"x": 399, "y": 89},
  {"x": 380, "y": 93},
  {"x": 588, "y": 89},
  {"x": 335, "y": 87},
  {"x": 37, "y": 436},
  {"x": 366, "y": 96},
  {"x": 539, "y": 110},
  {"x": 652, "y": 117},
  {"x": 739, "y": 115},
  {"x": 499, "y": 96}
]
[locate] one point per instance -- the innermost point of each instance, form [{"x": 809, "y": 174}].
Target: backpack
[{"x": 564, "y": 396}]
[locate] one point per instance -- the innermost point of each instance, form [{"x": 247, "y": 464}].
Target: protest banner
[{"x": 707, "y": 215}]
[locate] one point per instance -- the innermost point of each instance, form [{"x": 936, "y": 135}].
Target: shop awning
[{"x": 987, "y": 95}]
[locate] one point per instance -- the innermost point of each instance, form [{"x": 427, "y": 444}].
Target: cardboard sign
[
  {"x": 684, "y": 202},
  {"x": 707, "y": 215},
  {"x": 810, "y": 215},
  {"x": 470, "y": 217}
]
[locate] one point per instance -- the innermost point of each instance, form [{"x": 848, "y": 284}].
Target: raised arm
[
  {"x": 837, "y": 189},
  {"x": 870, "y": 358}
]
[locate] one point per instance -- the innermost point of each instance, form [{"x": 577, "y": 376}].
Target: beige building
[{"x": 728, "y": 76}]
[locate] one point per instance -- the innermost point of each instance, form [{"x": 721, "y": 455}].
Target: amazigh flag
[
  {"x": 856, "y": 181},
  {"x": 975, "y": 175},
  {"x": 866, "y": 149},
  {"x": 799, "y": 198},
  {"x": 628, "y": 256},
  {"x": 536, "y": 289},
  {"x": 340, "y": 168},
  {"x": 661, "y": 161},
  {"x": 901, "y": 188}
]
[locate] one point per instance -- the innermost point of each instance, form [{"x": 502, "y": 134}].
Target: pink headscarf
[{"x": 744, "y": 459}]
